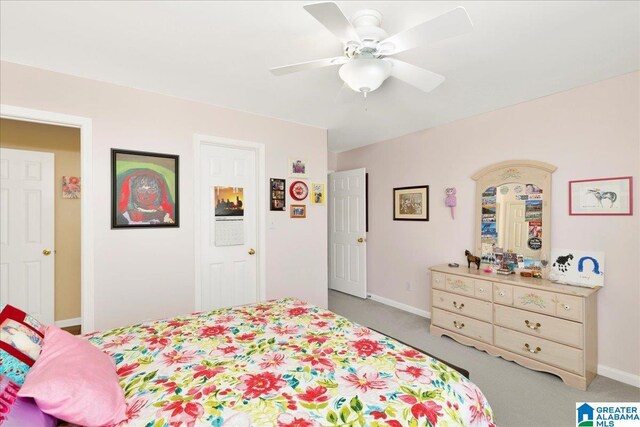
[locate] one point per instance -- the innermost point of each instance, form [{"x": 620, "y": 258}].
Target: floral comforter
[{"x": 282, "y": 363}]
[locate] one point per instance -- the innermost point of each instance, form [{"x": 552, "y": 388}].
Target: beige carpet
[{"x": 519, "y": 397}]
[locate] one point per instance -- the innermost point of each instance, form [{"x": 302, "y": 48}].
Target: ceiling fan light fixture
[{"x": 365, "y": 74}]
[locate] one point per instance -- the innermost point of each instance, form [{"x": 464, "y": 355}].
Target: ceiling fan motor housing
[{"x": 367, "y": 23}]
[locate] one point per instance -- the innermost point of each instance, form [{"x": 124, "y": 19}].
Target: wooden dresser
[{"x": 537, "y": 323}]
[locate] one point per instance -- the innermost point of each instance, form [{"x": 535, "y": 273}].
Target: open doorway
[{"x": 41, "y": 185}]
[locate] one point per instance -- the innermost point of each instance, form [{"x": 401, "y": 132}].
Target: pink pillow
[{"x": 75, "y": 382}]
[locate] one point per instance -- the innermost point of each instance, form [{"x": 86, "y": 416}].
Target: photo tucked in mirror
[{"x": 511, "y": 227}]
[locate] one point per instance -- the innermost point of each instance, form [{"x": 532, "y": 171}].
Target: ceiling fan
[{"x": 366, "y": 64}]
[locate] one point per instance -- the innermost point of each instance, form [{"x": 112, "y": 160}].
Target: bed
[{"x": 282, "y": 363}]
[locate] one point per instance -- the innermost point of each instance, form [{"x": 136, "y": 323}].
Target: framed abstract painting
[{"x": 144, "y": 189}]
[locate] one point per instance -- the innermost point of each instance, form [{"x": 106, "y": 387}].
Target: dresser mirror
[{"x": 513, "y": 213}]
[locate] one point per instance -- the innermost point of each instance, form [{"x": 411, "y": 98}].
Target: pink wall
[
  {"x": 147, "y": 274},
  {"x": 332, "y": 161},
  {"x": 588, "y": 132}
]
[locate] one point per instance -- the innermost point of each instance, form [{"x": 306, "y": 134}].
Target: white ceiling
[{"x": 220, "y": 53}]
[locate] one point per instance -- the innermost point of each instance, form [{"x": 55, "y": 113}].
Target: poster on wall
[
  {"x": 576, "y": 267},
  {"x": 70, "y": 187},
  {"x": 228, "y": 208},
  {"x": 317, "y": 193},
  {"x": 277, "y": 195},
  {"x": 144, "y": 189},
  {"x": 298, "y": 168},
  {"x": 228, "y": 201}
]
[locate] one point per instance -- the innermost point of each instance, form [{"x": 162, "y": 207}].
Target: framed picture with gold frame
[
  {"x": 411, "y": 203},
  {"x": 297, "y": 211}
]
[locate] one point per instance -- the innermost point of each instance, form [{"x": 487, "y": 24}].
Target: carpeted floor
[{"x": 519, "y": 397}]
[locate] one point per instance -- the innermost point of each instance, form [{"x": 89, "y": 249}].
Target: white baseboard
[
  {"x": 618, "y": 375},
  {"x": 401, "y": 306},
  {"x": 69, "y": 322}
]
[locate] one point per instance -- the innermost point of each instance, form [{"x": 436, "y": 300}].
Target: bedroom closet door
[
  {"x": 228, "y": 227},
  {"x": 347, "y": 232},
  {"x": 27, "y": 232}
]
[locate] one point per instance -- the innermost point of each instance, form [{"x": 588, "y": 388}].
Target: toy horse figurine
[{"x": 472, "y": 259}]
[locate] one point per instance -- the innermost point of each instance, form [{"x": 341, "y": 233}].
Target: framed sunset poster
[{"x": 144, "y": 189}]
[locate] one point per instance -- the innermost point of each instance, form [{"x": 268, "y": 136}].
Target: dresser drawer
[
  {"x": 569, "y": 307},
  {"x": 459, "y": 285},
  {"x": 437, "y": 280},
  {"x": 482, "y": 289},
  {"x": 535, "y": 300},
  {"x": 551, "y": 353},
  {"x": 463, "y": 325},
  {"x": 503, "y": 294},
  {"x": 463, "y": 305},
  {"x": 539, "y": 325}
]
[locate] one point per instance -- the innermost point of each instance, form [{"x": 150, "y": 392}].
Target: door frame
[
  {"x": 87, "y": 279},
  {"x": 259, "y": 149}
]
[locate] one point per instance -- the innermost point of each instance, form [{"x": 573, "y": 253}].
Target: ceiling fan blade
[
  {"x": 318, "y": 63},
  {"x": 330, "y": 15},
  {"x": 424, "y": 80},
  {"x": 449, "y": 24}
]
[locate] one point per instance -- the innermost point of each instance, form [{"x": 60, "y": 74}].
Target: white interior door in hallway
[
  {"x": 27, "y": 232},
  {"x": 347, "y": 232},
  {"x": 228, "y": 226}
]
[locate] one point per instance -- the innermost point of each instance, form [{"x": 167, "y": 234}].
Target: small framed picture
[
  {"x": 298, "y": 211},
  {"x": 411, "y": 203},
  {"x": 144, "y": 189},
  {"x": 317, "y": 193},
  {"x": 70, "y": 187},
  {"x": 277, "y": 195},
  {"x": 298, "y": 168},
  {"x": 603, "y": 196}
]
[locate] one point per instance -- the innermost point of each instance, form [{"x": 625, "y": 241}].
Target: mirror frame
[{"x": 520, "y": 171}]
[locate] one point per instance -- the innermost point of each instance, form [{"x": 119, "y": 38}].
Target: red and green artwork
[{"x": 145, "y": 189}]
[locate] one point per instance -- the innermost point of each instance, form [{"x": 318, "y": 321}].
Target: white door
[
  {"x": 517, "y": 229},
  {"x": 347, "y": 238},
  {"x": 229, "y": 227},
  {"x": 26, "y": 232}
]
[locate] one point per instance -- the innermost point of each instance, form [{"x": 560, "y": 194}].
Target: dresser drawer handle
[
  {"x": 530, "y": 326},
  {"x": 528, "y": 348},
  {"x": 481, "y": 289},
  {"x": 501, "y": 293},
  {"x": 566, "y": 307},
  {"x": 458, "y": 325},
  {"x": 458, "y": 306}
]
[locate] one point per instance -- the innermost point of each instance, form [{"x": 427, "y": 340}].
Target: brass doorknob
[
  {"x": 252, "y": 251},
  {"x": 360, "y": 240},
  {"x": 46, "y": 252}
]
